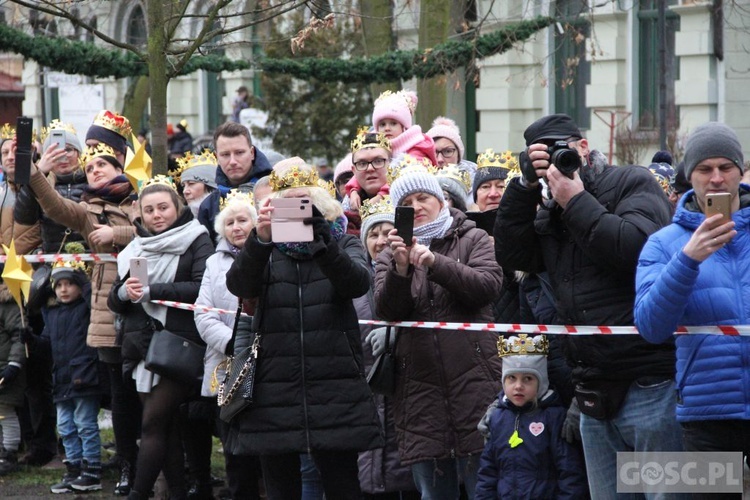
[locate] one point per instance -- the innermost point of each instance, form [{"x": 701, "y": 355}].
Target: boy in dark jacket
[
  {"x": 526, "y": 456},
  {"x": 77, "y": 390}
]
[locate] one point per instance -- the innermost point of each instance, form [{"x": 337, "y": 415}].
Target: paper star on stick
[
  {"x": 17, "y": 274},
  {"x": 137, "y": 164}
]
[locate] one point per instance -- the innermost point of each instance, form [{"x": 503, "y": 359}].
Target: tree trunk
[
  {"x": 136, "y": 100},
  {"x": 377, "y": 19},
  {"x": 158, "y": 80},
  {"x": 434, "y": 27}
]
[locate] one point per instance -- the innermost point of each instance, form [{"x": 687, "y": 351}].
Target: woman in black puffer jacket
[
  {"x": 310, "y": 393},
  {"x": 176, "y": 247}
]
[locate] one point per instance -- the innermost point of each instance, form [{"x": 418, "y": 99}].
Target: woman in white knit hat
[{"x": 444, "y": 379}]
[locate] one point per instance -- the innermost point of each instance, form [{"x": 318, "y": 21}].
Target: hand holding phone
[
  {"x": 57, "y": 137},
  {"x": 404, "y": 223},
  {"x": 22, "y": 172},
  {"x": 287, "y": 220}
]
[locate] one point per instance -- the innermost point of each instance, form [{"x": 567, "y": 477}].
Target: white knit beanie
[
  {"x": 445, "y": 127},
  {"x": 398, "y": 106}
]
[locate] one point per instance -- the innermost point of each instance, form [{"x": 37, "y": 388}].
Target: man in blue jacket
[
  {"x": 588, "y": 237},
  {"x": 240, "y": 166},
  {"x": 694, "y": 272}
]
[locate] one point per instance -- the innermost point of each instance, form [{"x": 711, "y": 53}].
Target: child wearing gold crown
[{"x": 526, "y": 455}]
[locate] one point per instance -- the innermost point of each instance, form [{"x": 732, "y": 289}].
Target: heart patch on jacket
[{"x": 536, "y": 428}]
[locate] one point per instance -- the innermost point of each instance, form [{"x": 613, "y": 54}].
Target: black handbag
[
  {"x": 236, "y": 391},
  {"x": 175, "y": 357},
  {"x": 382, "y": 376}
]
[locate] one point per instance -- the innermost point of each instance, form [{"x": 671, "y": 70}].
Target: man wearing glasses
[{"x": 588, "y": 237}]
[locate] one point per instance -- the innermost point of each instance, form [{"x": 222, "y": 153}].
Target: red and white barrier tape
[
  {"x": 66, "y": 257},
  {"x": 503, "y": 327}
]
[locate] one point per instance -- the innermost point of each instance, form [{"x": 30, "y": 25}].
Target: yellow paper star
[
  {"x": 17, "y": 273},
  {"x": 138, "y": 164}
]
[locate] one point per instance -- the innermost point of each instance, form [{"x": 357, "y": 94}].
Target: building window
[
  {"x": 649, "y": 67},
  {"x": 572, "y": 72},
  {"x": 136, "y": 28}
]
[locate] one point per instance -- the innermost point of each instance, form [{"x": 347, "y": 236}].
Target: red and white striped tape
[
  {"x": 66, "y": 257},
  {"x": 503, "y": 327}
]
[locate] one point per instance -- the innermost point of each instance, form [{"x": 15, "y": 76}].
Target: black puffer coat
[
  {"x": 310, "y": 391},
  {"x": 590, "y": 250},
  {"x": 27, "y": 210},
  {"x": 445, "y": 379}
]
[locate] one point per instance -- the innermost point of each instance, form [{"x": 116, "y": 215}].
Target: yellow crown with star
[
  {"x": 366, "y": 140},
  {"x": 163, "y": 180},
  {"x": 294, "y": 177},
  {"x": 407, "y": 164},
  {"x": 114, "y": 122},
  {"x": 7, "y": 131},
  {"x": 329, "y": 187},
  {"x": 236, "y": 196},
  {"x": 523, "y": 344},
  {"x": 72, "y": 265},
  {"x": 452, "y": 171},
  {"x": 368, "y": 208},
  {"x": 189, "y": 160},
  {"x": 504, "y": 160},
  {"x": 56, "y": 125},
  {"x": 92, "y": 152}
]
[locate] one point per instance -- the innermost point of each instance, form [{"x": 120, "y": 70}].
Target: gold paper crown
[
  {"x": 92, "y": 152},
  {"x": 452, "y": 171},
  {"x": 236, "y": 196},
  {"x": 402, "y": 94},
  {"x": 408, "y": 164},
  {"x": 294, "y": 177},
  {"x": 189, "y": 160},
  {"x": 7, "y": 131},
  {"x": 329, "y": 186},
  {"x": 161, "y": 179},
  {"x": 366, "y": 139},
  {"x": 384, "y": 206},
  {"x": 523, "y": 344},
  {"x": 56, "y": 125},
  {"x": 114, "y": 122},
  {"x": 502, "y": 160}
]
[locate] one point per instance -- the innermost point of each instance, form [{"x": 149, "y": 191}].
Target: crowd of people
[{"x": 553, "y": 235}]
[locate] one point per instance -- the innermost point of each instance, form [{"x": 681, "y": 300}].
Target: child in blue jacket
[
  {"x": 525, "y": 456},
  {"x": 77, "y": 385}
]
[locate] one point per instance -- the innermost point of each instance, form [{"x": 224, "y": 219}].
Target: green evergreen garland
[{"x": 85, "y": 58}]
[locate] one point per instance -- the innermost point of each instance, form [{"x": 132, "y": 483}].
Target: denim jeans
[
  {"x": 79, "y": 429},
  {"x": 440, "y": 479},
  {"x": 282, "y": 474},
  {"x": 646, "y": 422},
  {"x": 312, "y": 484}
]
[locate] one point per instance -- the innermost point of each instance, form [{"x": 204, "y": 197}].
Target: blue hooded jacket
[
  {"x": 543, "y": 466},
  {"x": 713, "y": 371}
]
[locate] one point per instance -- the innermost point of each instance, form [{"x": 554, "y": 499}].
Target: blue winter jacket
[
  {"x": 713, "y": 371},
  {"x": 543, "y": 466}
]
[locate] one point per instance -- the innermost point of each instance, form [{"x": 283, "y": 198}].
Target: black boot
[
  {"x": 73, "y": 470},
  {"x": 90, "y": 478},
  {"x": 122, "y": 488},
  {"x": 134, "y": 495},
  {"x": 203, "y": 491}
]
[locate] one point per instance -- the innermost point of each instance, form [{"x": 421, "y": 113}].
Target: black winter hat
[{"x": 558, "y": 127}]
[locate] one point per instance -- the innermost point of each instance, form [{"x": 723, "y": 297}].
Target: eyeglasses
[
  {"x": 446, "y": 152},
  {"x": 364, "y": 165}
]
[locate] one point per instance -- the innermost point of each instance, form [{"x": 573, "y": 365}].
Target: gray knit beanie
[
  {"x": 712, "y": 140},
  {"x": 415, "y": 180},
  {"x": 71, "y": 139}
]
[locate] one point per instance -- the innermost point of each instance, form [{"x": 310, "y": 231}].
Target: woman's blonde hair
[{"x": 329, "y": 207}]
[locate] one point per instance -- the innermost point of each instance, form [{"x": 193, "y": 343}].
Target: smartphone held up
[
  {"x": 287, "y": 220},
  {"x": 719, "y": 203},
  {"x": 404, "y": 223}
]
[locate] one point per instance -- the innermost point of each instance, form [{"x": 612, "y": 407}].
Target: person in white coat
[{"x": 233, "y": 225}]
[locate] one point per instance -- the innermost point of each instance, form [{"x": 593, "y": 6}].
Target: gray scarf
[
  {"x": 163, "y": 252},
  {"x": 435, "y": 229}
]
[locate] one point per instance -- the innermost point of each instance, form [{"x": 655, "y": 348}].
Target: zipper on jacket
[{"x": 302, "y": 357}]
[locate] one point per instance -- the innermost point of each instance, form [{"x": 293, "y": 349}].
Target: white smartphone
[
  {"x": 58, "y": 137},
  {"x": 139, "y": 269},
  {"x": 287, "y": 220}
]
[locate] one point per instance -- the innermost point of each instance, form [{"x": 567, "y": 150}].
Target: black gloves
[
  {"x": 28, "y": 336},
  {"x": 321, "y": 232},
  {"x": 571, "y": 429},
  {"x": 9, "y": 374},
  {"x": 527, "y": 168},
  {"x": 229, "y": 349}
]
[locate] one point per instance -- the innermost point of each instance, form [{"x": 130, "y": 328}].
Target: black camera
[{"x": 565, "y": 158}]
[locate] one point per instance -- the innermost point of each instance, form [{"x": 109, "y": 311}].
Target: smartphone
[
  {"x": 287, "y": 218},
  {"x": 404, "y": 223},
  {"x": 719, "y": 203},
  {"x": 58, "y": 137},
  {"x": 23, "y": 150},
  {"x": 139, "y": 269}
]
